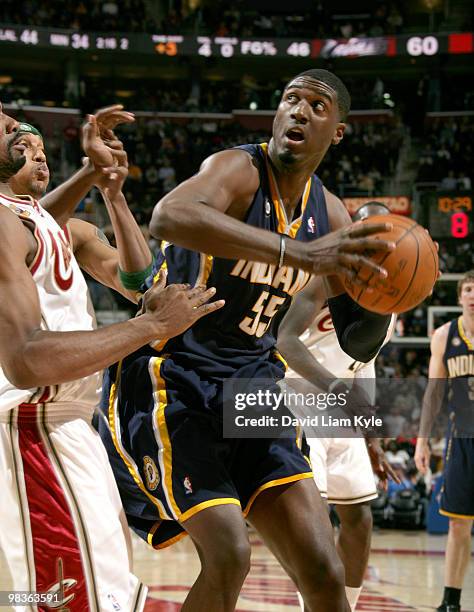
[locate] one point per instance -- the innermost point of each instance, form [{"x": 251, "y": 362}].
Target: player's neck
[
  {"x": 291, "y": 181},
  {"x": 5, "y": 189},
  {"x": 468, "y": 323}
]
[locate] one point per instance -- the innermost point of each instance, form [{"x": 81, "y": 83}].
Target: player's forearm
[
  {"x": 62, "y": 202},
  {"x": 432, "y": 404},
  {"x": 133, "y": 251},
  {"x": 202, "y": 228},
  {"x": 360, "y": 333},
  {"x": 300, "y": 359},
  {"x": 75, "y": 354}
]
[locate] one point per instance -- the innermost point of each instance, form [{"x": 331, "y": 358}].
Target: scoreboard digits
[{"x": 232, "y": 46}]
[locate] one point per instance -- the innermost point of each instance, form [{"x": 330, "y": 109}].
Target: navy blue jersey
[
  {"x": 256, "y": 294},
  {"x": 459, "y": 362}
]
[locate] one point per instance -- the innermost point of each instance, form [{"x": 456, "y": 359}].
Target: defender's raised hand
[{"x": 97, "y": 134}]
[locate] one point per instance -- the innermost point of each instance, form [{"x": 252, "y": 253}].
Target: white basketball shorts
[
  {"x": 342, "y": 470},
  {"x": 62, "y": 527}
]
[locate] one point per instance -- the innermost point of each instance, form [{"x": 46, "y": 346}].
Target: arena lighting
[{"x": 253, "y": 106}]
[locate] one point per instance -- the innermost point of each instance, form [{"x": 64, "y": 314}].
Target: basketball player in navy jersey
[
  {"x": 452, "y": 357},
  {"x": 256, "y": 223}
]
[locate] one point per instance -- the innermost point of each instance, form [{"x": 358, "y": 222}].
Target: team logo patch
[
  {"x": 152, "y": 475},
  {"x": 456, "y": 342},
  {"x": 311, "y": 225},
  {"x": 187, "y": 485},
  {"x": 267, "y": 208}
]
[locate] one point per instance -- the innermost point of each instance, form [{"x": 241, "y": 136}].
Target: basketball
[{"x": 412, "y": 268}]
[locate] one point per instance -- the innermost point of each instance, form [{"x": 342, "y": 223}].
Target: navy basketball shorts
[
  {"x": 457, "y": 494},
  {"x": 163, "y": 434}
]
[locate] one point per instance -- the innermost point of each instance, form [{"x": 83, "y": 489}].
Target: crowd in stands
[
  {"x": 218, "y": 18},
  {"x": 447, "y": 155},
  {"x": 92, "y": 15}
]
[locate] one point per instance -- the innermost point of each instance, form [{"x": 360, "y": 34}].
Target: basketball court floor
[{"x": 405, "y": 574}]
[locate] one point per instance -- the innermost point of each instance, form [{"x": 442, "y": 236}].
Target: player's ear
[{"x": 338, "y": 134}]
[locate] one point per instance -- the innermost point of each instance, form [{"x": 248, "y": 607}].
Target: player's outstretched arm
[
  {"x": 302, "y": 312},
  {"x": 125, "y": 268},
  {"x": 433, "y": 397},
  {"x": 206, "y": 213},
  {"x": 62, "y": 202},
  {"x": 32, "y": 357}
]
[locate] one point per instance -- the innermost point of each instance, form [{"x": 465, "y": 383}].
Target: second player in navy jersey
[
  {"x": 256, "y": 223},
  {"x": 452, "y": 359}
]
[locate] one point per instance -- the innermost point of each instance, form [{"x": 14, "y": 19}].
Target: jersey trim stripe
[
  {"x": 275, "y": 483},
  {"x": 161, "y": 434},
  {"x": 114, "y": 426},
  {"x": 56, "y": 536},
  {"x": 217, "y": 501},
  {"x": 20, "y": 486},
  {"x": 74, "y": 509},
  {"x": 205, "y": 269},
  {"x": 462, "y": 334}
]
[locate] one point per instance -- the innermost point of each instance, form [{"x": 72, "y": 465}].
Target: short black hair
[
  {"x": 334, "y": 82},
  {"x": 370, "y": 209}
]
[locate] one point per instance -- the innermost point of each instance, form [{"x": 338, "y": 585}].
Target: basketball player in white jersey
[
  {"x": 62, "y": 529},
  {"x": 342, "y": 467},
  {"x": 123, "y": 269}
]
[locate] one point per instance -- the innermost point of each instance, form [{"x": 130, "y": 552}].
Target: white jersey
[
  {"x": 321, "y": 339},
  {"x": 64, "y": 303}
]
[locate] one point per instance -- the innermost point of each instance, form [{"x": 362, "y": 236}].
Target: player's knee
[
  {"x": 460, "y": 528},
  {"x": 326, "y": 574},
  {"x": 358, "y": 519},
  {"x": 230, "y": 563}
]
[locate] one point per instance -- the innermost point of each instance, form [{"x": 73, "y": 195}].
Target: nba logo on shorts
[
  {"x": 311, "y": 225},
  {"x": 150, "y": 470},
  {"x": 187, "y": 485}
]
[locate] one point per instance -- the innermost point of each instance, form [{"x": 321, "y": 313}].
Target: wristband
[
  {"x": 134, "y": 280},
  {"x": 282, "y": 249}
]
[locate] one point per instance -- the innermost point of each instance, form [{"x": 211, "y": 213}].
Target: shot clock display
[{"x": 449, "y": 215}]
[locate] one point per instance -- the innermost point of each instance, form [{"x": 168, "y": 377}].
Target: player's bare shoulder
[
  {"x": 16, "y": 238},
  {"x": 439, "y": 339},
  {"x": 238, "y": 173},
  {"x": 337, "y": 212}
]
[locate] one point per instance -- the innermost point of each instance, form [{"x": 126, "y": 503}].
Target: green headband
[{"x": 26, "y": 128}]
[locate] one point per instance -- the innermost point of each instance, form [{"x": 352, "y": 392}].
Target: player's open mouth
[{"x": 295, "y": 135}]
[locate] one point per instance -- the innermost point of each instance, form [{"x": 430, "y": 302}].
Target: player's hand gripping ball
[{"x": 412, "y": 269}]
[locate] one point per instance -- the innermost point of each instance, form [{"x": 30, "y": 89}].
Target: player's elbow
[
  {"x": 20, "y": 376},
  {"x": 161, "y": 224}
]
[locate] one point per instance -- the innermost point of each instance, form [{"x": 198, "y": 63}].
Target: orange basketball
[{"x": 412, "y": 268}]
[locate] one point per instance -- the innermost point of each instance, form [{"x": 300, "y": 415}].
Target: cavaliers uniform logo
[{"x": 152, "y": 476}]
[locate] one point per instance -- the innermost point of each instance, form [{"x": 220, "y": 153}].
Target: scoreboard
[
  {"x": 449, "y": 215},
  {"x": 228, "y": 47}
]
